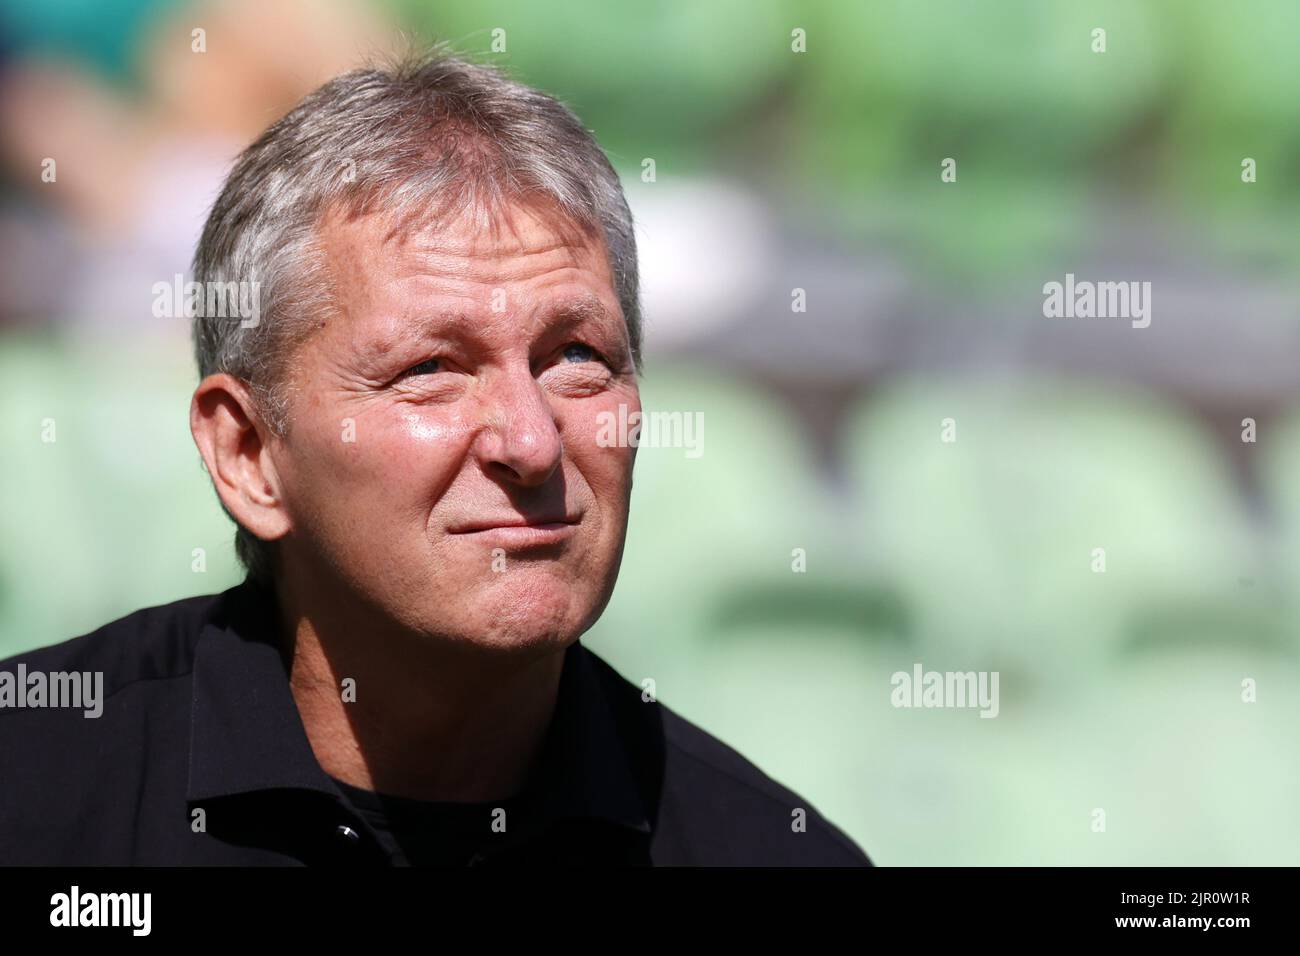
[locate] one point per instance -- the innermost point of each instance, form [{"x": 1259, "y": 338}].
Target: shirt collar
[{"x": 247, "y": 735}]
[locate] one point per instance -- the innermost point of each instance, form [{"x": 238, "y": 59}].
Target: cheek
[
  {"x": 382, "y": 463},
  {"x": 596, "y": 443}
]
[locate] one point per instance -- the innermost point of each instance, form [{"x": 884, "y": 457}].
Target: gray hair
[{"x": 427, "y": 136}]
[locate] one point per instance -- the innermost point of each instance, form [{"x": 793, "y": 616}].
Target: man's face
[{"x": 441, "y": 461}]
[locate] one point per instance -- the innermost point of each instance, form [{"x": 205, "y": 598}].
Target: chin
[{"x": 531, "y": 610}]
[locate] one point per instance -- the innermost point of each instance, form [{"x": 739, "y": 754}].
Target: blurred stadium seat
[
  {"x": 991, "y": 537},
  {"x": 117, "y": 503}
]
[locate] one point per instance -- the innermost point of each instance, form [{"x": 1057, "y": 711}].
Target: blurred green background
[{"x": 776, "y": 171}]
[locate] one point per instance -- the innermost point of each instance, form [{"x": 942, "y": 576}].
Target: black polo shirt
[{"x": 200, "y": 758}]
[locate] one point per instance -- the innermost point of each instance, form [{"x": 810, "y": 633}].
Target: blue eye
[
  {"x": 577, "y": 352},
  {"x": 427, "y": 367}
]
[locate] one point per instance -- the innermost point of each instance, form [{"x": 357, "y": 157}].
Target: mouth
[{"x": 518, "y": 532}]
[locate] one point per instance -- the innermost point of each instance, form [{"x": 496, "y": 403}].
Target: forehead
[
  {"x": 503, "y": 281},
  {"x": 467, "y": 254}
]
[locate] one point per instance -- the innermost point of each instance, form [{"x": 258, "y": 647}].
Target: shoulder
[
  {"x": 715, "y": 807},
  {"x": 139, "y": 661},
  {"x": 93, "y": 729},
  {"x": 153, "y": 642}
]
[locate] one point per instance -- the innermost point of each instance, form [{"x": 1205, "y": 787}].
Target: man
[{"x": 405, "y": 434}]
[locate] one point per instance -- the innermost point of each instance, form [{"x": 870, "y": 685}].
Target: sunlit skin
[{"x": 472, "y": 529}]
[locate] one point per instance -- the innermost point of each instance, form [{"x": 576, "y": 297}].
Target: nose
[{"x": 520, "y": 442}]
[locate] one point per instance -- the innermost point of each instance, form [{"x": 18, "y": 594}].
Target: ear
[{"x": 234, "y": 443}]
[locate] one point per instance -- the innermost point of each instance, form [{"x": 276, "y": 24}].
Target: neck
[{"x": 420, "y": 718}]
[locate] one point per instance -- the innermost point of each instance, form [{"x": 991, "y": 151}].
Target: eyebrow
[
  {"x": 565, "y": 314},
  {"x": 582, "y": 308}
]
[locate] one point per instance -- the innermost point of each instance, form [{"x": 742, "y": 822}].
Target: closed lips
[{"x": 546, "y": 523}]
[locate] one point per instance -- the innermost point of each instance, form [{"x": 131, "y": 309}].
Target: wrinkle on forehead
[
  {"x": 521, "y": 232},
  {"x": 434, "y": 223},
  {"x": 364, "y": 259},
  {"x": 570, "y": 311}
]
